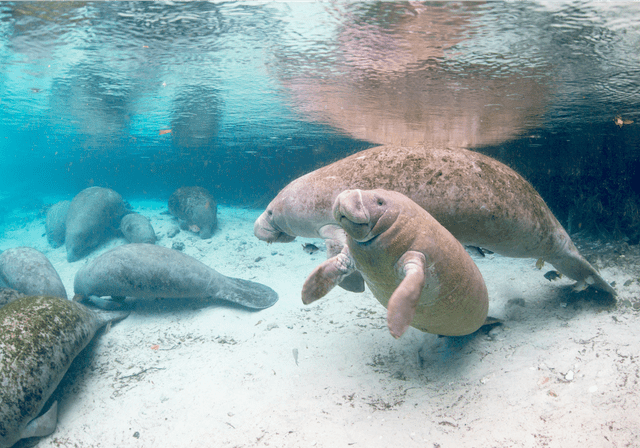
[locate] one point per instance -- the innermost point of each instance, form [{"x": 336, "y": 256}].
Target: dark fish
[
  {"x": 552, "y": 275},
  {"x": 310, "y": 248},
  {"x": 481, "y": 250}
]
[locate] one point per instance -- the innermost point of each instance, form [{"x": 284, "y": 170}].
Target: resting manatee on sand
[
  {"x": 30, "y": 272},
  {"x": 412, "y": 265},
  {"x": 196, "y": 210},
  {"x": 39, "y": 338},
  {"x": 137, "y": 229},
  {"x": 94, "y": 215},
  {"x": 55, "y": 224},
  {"x": 150, "y": 271},
  {"x": 481, "y": 201}
]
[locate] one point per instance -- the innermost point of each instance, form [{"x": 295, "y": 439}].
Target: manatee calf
[
  {"x": 150, "y": 271},
  {"x": 412, "y": 264},
  {"x": 30, "y": 272},
  {"x": 39, "y": 338},
  {"x": 196, "y": 209},
  {"x": 481, "y": 201},
  {"x": 137, "y": 229},
  {"x": 55, "y": 224},
  {"x": 94, "y": 215}
]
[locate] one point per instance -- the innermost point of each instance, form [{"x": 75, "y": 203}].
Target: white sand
[{"x": 562, "y": 371}]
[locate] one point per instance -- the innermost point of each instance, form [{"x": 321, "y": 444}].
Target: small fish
[
  {"x": 481, "y": 250},
  {"x": 164, "y": 131},
  {"x": 194, "y": 228},
  {"x": 552, "y": 275},
  {"x": 310, "y": 248}
]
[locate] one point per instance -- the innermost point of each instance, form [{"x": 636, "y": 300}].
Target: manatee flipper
[
  {"x": 404, "y": 300},
  {"x": 247, "y": 293},
  {"x": 353, "y": 282},
  {"x": 326, "y": 276},
  {"x": 335, "y": 243},
  {"x": 43, "y": 425}
]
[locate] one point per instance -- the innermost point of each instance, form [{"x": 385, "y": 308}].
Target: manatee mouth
[
  {"x": 273, "y": 236},
  {"x": 361, "y": 232},
  {"x": 266, "y": 232}
]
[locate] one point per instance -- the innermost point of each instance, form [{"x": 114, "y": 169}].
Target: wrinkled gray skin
[
  {"x": 137, "y": 229},
  {"x": 8, "y": 295},
  {"x": 195, "y": 206},
  {"x": 39, "y": 338},
  {"x": 55, "y": 225},
  {"x": 150, "y": 271},
  {"x": 30, "y": 272},
  {"x": 481, "y": 201},
  {"x": 93, "y": 217}
]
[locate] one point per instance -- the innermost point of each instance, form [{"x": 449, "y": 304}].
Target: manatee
[
  {"x": 55, "y": 225},
  {"x": 94, "y": 215},
  {"x": 30, "y": 272},
  {"x": 150, "y": 271},
  {"x": 39, "y": 338},
  {"x": 481, "y": 201},
  {"x": 8, "y": 295},
  {"x": 196, "y": 209},
  {"x": 137, "y": 229},
  {"x": 411, "y": 263}
]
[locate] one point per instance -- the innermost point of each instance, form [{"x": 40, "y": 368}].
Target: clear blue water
[{"x": 258, "y": 94}]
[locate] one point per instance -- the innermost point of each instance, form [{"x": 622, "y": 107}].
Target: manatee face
[
  {"x": 269, "y": 226},
  {"x": 365, "y": 214}
]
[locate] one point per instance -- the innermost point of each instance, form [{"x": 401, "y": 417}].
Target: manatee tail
[
  {"x": 247, "y": 293},
  {"x": 574, "y": 266}
]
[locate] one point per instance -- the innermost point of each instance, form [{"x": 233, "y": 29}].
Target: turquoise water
[{"x": 257, "y": 94}]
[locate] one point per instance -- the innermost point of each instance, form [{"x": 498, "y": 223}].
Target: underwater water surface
[{"x": 241, "y": 98}]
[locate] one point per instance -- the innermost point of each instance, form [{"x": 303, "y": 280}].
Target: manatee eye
[
  {"x": 380, "y": 201},
  {"x": 269, "y": 212}
]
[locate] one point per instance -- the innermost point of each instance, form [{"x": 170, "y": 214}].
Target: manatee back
[
  {"x": 94, "y": 214},
  {"x": 55, "y": 225},
  {"x": 30, "y": 272},
  {"x": 146, "y": 271},
  {"x": 137, "y": 229},
  {"x": 39, "y": 338}
]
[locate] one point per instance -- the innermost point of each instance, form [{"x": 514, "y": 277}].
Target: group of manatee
[
  {"x": 395, "y": 218},
  {"x": 97, "y": 214},
  {"x": 41, "y": 331}
]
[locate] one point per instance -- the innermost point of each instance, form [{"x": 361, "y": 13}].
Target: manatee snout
[
  {"x": 350, "y": 211},
  {"x": 264, "y": 230}
]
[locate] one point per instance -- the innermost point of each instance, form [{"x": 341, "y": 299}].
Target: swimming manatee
[
  {"x": 30, "y": 272},
  {"x": 482, "y": 202},
  {"x": 94, "y": 215},
  {"x": 411, "y": 263},
  {"x": 39, "y": 338},
  {"x": 151, "y": 271}
]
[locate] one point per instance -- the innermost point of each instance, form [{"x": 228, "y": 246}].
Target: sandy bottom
[{"x": 562, "y": 371}]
